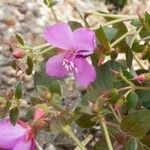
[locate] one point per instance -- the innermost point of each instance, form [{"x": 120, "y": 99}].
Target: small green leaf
[
  {"x": 85, "y": 121},
  {"x": 30, "y": 66},
  {"x": 147, "y": 20},
  {"x": 121, "y": 29},
  {"x": 50, "y": 3},
  {"x": 136, "y": 124},
  {"x": 102, "y": 38},
  {"x": 89, "y": 97},
  {"x": 18, "y": 91},
  {"x": 19, "y": 39},
  {"x": 137, "y": 47},
  {"x": 144, "y": 32},
  {"x": 14, "y": 113},
  {"x": 29, "y": 114},
  {"x": 105, "y": 79},
  {"x": 144, "y": 96},
  {"x": 132, "y": 100},
  {"x": 74, "y": 25},
  {"x": 136, "y": 22},
  {"x": 110, "y": 33},
  {"x": 146, "y": 140}
]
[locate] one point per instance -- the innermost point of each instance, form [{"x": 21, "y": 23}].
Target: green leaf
[
  {"x": 100, "y": 145},
  {"x": 102, "y": 38},
  {"x": 146, "y": 140},
  {"x": 50, "y": 3},
  {"x": 14, "y": 113},
  {"x": 121, "y": 3},
  {"x": 144, "y": 32},
  {"x": 132, "y": 100},
  {"x": 110, "y": 32},
  {"x": 137, "y": 47},
  {"x": 74, "y": 25},
  {"x": 144, "y": 96},
  {"x": 29, "y": 114},
  {"x": 53, "y": 3},
  {"x": 18, "y": 91},
  {"x": 136, "y": 22},
  {"x": 131, "y": 145},
  {"x": 85, "y": 121},
  {"x": 84, "y": 110},
  {"x": 122, "y": 29},
  {"x": 19, "y": 39},
  {"x": 105, "y": 79},
  {"x": 89, "y": 96},
  {"x": 147, "y": 20},
  {"x": 30, "y": 65},
  {"x": 41, "y": 78},
  {"x": 136, "y": 124}
]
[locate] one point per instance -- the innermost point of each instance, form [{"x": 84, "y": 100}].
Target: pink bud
[
  {"x": 100, "y": 61},
  {"x": 39, "y": 113},
  {"x": 139, "y": 78},
  {"x": 18, "y": 54}
]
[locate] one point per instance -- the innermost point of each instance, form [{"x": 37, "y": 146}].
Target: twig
[
  {"x": 86, "y": 141},
  {"x": 38, "y": 145}
]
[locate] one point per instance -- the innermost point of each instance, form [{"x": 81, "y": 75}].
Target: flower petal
[
  {"x": 10, "y": 134},
  {"x": 22, "y": 145},
  {"x": 59, "y": 35},
  {"x": 54, "y": 66},
  {"x": 84, "y": 39},
  {"x": 85, "y": 73}
]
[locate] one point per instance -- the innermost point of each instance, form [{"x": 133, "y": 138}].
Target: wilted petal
[
  {"x": 54, "y": 66},
  {"x": 10, "y": 134},
  {"x": 84, "y": 39},
  {"x": 85, "y": 73},
  {"x": 22, "y": 145},
  {"x": 59, "y": 35}
]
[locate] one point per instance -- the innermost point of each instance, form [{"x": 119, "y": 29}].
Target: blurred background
[{"x": 28, "y": 17}]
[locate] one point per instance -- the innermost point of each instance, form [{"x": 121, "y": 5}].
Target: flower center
[{"x": 68, "y": 61}]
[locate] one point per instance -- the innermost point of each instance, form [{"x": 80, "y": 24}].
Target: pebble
[
  {"x": 9, "y": 21},
  {"x": 23, "y": 9}
]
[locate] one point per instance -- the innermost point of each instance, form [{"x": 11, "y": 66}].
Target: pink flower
[
  {"x": 18, "y": 137},
  {"x": 77, "y": 45}
]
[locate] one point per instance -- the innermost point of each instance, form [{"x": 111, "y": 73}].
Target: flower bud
[
  {"x": 18, "y": 53},
  {"x": 142, "y": 77},
  {"x": 100, "y": 60},
  {"x": 39, "y": 113}
]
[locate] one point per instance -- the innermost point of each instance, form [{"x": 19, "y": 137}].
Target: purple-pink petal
[
  {"x": 54, "y": 66},
  {"x": 85, "y": 73},
  {"x": 59, "y": 35},
  {"x": 22, "y": 145},
  {"x": 10, "y": 134},
  {"x": 84, "y": 39}
]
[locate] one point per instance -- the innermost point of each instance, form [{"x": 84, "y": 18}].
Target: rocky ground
[{"x": 28, "y": 17}]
